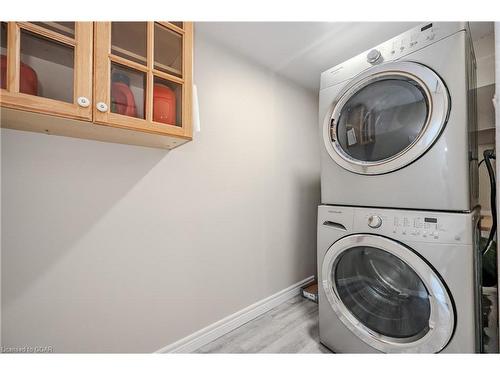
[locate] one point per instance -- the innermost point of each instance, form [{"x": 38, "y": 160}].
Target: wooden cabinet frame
[
  {"x": 91, "y": 79},
  {"x": 102, "y": 81},
  {"x": 82, "y": 44}
]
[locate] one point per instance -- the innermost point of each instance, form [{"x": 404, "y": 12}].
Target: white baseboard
[{"x": 208, "y": 334}]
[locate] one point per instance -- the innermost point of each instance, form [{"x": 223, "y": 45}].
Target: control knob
[
  {"x": 374, "y": 221},
  {"x": 373, "y": 56}
]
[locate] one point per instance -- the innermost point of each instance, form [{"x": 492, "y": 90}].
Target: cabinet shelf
[
  {"x": 135, "y": 57},
  {"x": 60, "y": 27},
  {"x": 51, "y": 125}
]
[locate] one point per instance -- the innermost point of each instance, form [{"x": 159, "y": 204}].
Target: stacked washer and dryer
[{"x": 398, "y": 228}]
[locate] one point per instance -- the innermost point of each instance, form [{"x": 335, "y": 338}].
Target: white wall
[
  {"x": 114, "y": 248},
  {"x": 484, "y": 49}
]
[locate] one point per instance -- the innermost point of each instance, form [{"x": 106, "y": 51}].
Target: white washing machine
[
  {"x": 398, "y": 123},
  {"x": 398, "y": 281}
]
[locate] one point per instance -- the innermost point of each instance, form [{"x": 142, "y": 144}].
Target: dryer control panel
[
  {"x": 420, "y": 226},
  {"x": 412, "y": 40},
  {"x": 393, "y": 49}
]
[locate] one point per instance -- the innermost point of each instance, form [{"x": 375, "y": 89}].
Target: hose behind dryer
[{"x": 488, "y": 156}]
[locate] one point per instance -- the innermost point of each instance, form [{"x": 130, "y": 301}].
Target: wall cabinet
[
  {"x": 125, "y": 82},
  {"x": 46, "y": 69}
]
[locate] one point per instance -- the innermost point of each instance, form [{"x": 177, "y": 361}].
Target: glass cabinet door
[
  {"x": 143, "y": 76},
  {"x": 46, "y": 67}
]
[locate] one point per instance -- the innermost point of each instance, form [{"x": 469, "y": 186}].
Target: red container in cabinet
[
  {"x": 164, "y": 102},
  {"x": 122, "y": 98},
  {"x": 28, "y": 84}
]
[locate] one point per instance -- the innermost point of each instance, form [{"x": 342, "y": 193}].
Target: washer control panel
[
  {"x": 424, "y": 226},
  {"x": 421, "y": 226}
]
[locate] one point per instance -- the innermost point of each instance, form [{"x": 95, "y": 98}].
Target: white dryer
[
  {"x": 398, "y": 123},
  {"x": 398, "y": 281}
]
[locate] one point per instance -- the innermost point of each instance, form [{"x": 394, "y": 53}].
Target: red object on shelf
[
  {"x": 28, "y": 83},
  {"x": 122, "y": 99},
  {"x": 164, "y": 109}
]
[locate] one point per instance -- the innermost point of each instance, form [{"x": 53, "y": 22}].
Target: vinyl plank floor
[{"x": 291, "y": 327}]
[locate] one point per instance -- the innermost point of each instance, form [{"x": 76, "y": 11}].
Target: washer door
[
  {"x": 386, "y": 118},
  {"x": 387, "y": 295}
]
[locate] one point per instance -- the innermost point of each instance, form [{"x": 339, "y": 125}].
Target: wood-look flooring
[{"x": 291, "y": 327}]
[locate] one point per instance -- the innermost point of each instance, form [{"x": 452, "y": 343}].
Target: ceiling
[{"x": 300, "y": 51}]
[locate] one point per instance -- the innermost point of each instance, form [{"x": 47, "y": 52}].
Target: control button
[
  {"x": 406, "y": 222},
  {"x": 374, "y": 221},
  {"x": 373, "y": 56},
  {"x": 393, "y": 52},
  {"x": 457, "y": 238},
  {"x": 404, "y": 231},
  {"x": 417, "y": 222}
]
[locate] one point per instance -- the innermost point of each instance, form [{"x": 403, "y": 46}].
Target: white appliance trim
[{"x": 212, "y": 332}]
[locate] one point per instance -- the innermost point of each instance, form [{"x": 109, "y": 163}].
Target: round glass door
[
  {"x": 386, "y": 118},
  {"x": 387, "y": 295},
  {"x": 382, "y": 292}
]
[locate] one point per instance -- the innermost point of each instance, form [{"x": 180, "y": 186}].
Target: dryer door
[
  {"x": 386, "y": 118},
  {"x": 387, "y": 295}
]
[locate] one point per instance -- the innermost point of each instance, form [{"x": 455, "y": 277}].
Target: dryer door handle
[{"x": 332, "y": 130}]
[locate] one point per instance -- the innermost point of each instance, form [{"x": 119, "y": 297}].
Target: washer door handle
[{"x": 335, "y": 225}]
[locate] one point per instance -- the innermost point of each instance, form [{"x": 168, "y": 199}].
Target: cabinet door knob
[
  {"x": 102, "y": 107},
  {"x": 83, "y": 101}
]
